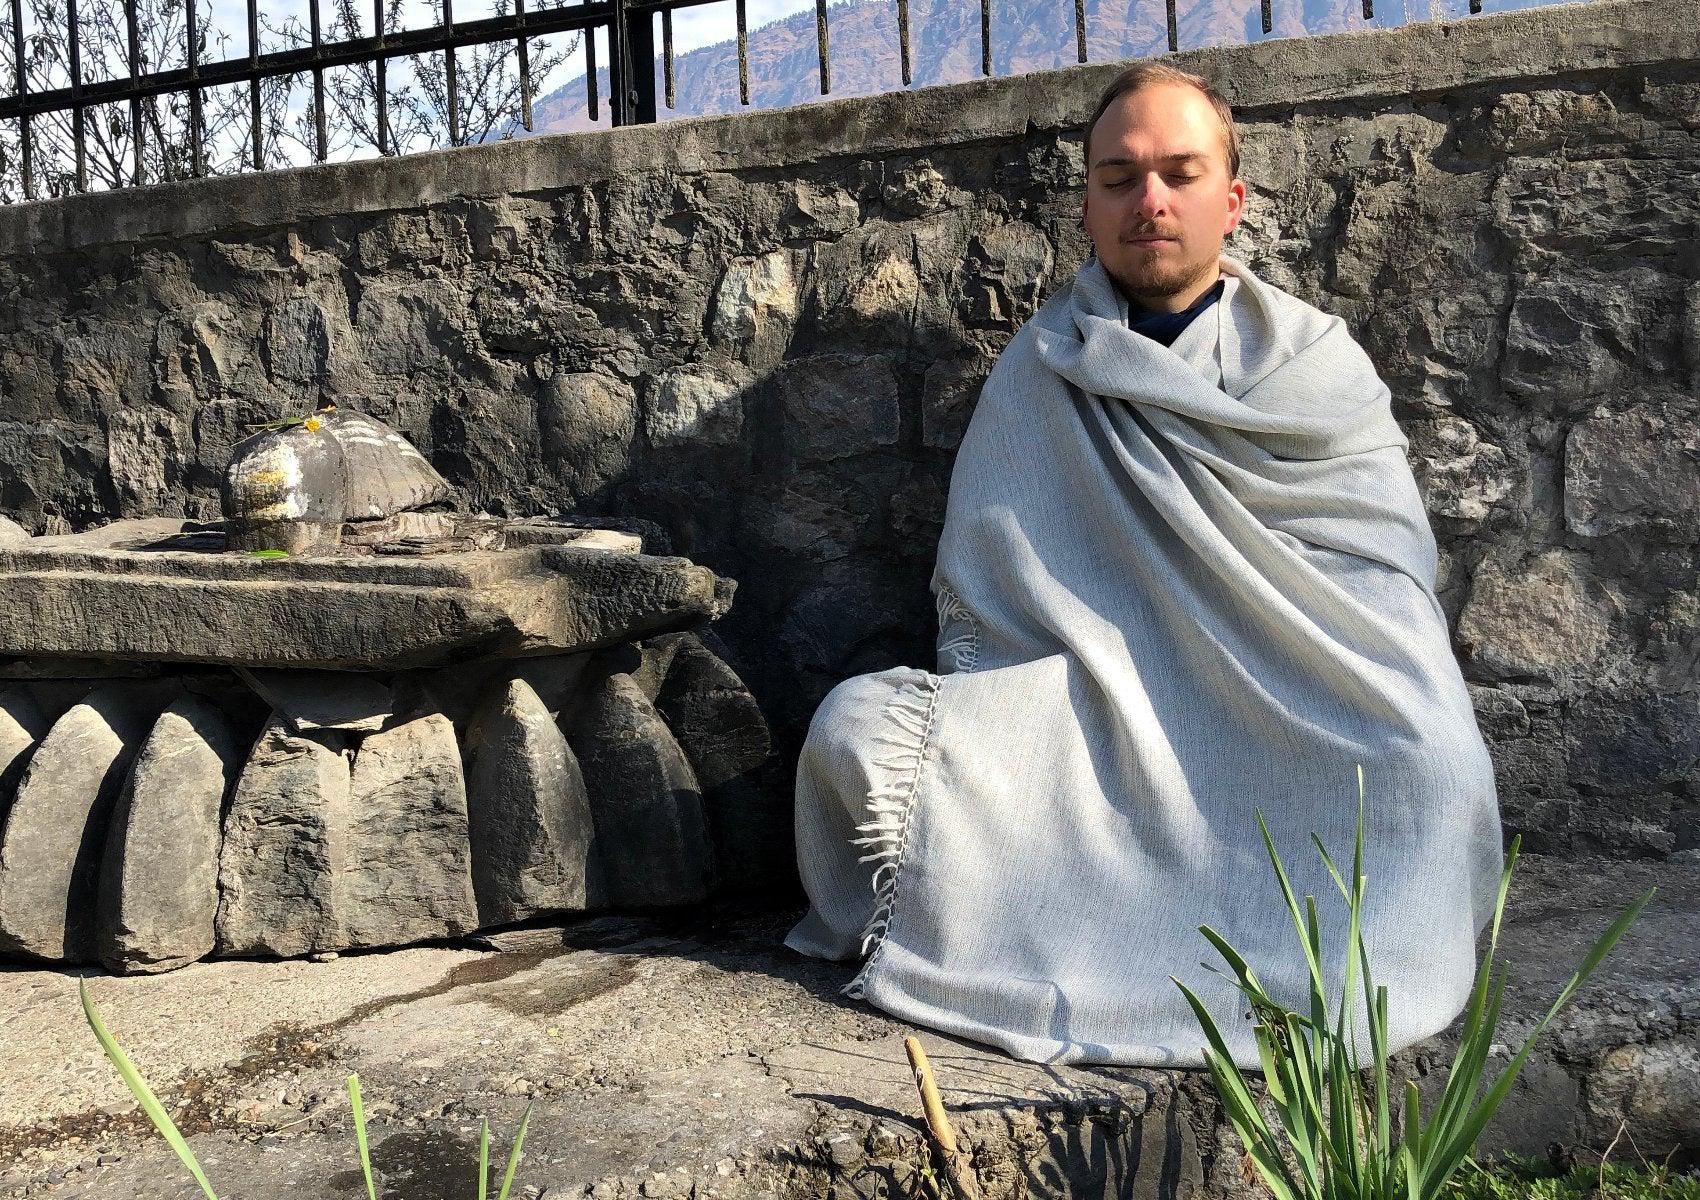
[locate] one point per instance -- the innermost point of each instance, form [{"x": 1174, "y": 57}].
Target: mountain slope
[{"x": 1027, "y": 35}]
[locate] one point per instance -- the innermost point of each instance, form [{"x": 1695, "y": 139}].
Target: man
[{"x": 1185, "y": 576}]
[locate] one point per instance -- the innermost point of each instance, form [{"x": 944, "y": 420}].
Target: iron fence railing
[{"x": 628, "y": 26}]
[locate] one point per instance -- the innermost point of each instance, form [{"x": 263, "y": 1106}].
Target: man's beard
[{"x": 1159, "y": 278}]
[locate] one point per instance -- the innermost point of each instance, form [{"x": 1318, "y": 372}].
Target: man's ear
[{"x": 1236, "y": 206}]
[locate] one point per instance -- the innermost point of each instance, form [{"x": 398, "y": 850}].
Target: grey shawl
[{"x": 1175, "y": 585}]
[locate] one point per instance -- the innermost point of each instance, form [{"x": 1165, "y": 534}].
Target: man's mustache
[{"x": 1135, "y": 234}]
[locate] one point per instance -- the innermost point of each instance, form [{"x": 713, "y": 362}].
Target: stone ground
[{"x": 694, "y": 1055}]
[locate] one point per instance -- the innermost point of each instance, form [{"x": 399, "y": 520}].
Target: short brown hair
[{"x": 1146, "y": 74}]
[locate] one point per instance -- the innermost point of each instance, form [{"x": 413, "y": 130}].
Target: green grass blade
[
  {"x": 1448, "y": 1156},
  {"x": 484, "y": 1158},
  {"x": 513, "y": 1154},
  {"x": 1213, "y": 1034},
  {"x": 1461, "y": 1085},
  {"x": 1235, "y": 960},
  {"x": 355, "y": 1103},
  {"x": 1293, "y": 907},
  {"x": 143, "y": 1094}
]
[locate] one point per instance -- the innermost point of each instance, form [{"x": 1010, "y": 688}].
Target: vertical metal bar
[
  {"x": 132, "y": 33},
  {"x": 1268, "y": 17},
  {"x": 449, "y": 81},
  {"x": 1174, "y": 33},
  {"x": 76, "y": 47},
  {"x": 381, "y": 71},
  {"x": 903, "y": 37},
  {"x": 1369, "y": 9},
  {"x": 667, "y": 52},
  {"x": 619, "y": 86},
  {"x": 590, "y": 66},
  {"x": 1080, "y": 30},
  {"x": 254, "y": 84},
  {"x": 25, "y": 147},
  {"x": 197, "y": 142},
  {"x": 640, "y": 66},
  {"x": 985, "y": 37},
  {"x": 524, "y": 67},
  {"x": 743, "y": 54},
  {"x": 320, "y": 136},
  {"x": 820, "y": 47}
]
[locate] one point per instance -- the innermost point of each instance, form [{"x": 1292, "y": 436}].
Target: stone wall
[{"x": 764, "y": 334}]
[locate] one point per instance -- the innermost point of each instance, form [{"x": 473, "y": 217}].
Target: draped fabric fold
[{"x": 1177, "y": 586}]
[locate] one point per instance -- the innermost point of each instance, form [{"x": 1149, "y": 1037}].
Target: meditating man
[{"x": 1185, "y": 575}]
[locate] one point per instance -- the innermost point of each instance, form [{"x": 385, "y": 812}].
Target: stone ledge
[
  {"x": 1274, "y": 75},
  {"x": 667, "y": 1057}
]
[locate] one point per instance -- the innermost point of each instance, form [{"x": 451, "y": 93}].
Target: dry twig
[{"x": 957, "y": 1168}]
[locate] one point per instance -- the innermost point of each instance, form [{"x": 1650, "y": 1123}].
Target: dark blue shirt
[{"x": 1165, "y": 327}]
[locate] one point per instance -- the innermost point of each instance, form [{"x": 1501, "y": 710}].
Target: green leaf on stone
[{"x": 268, "y": 554}]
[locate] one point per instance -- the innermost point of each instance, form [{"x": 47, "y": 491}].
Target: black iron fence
[{"x": 628, "y": 25}]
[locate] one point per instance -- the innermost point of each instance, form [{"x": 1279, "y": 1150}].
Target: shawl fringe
[
  {"x": 961, "y": 649},
  {"x": 890, "y": 803}
]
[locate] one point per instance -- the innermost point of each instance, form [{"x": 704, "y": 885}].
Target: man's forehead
[{"x": 1159, "y": 124}]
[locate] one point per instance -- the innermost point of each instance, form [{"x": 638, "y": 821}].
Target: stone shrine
[{"x": 346, "y": 716}]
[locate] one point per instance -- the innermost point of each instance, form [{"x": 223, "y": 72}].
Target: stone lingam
[{"x": 348, "y": 716}]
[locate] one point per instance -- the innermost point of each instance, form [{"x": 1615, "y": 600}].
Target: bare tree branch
[{"x": 488, "y": 90}]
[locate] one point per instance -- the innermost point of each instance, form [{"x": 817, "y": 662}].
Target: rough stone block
[
  {"x": 22, "y": 725},
  {"x": 285, "y": 846},
  {"x": 867, "y": 287},
  {"x": 1548, "y": 620},
  {"x": 837, "y": 405},
  {"x": 1460, "y": 475},
  {"x": 712, "y": 714},
  {"x": 587, "y": 423},
  {"x": 755, "y": 305},
  {"x": 50, "y": 854},
  {"x": 1015, "y": 258},
  {"x": 296, "y": 341},
  {"x": 1569, "y": 338},
  {"x": 693, "y": 405},
  {"x": 651, "y": 836},
  {"x": 530, "y": 819},
  {"x": 309, "y": 700},
  {"x": 159, "y": 877},
  {"x": 409, "y": 860},
  {"x": 949, "y": 393},
  {"x": 109, "y": 597},
  {"x": 1634, "y": 469}
]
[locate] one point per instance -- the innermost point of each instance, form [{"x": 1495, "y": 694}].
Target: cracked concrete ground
[{"x": 680, "y": 1056}]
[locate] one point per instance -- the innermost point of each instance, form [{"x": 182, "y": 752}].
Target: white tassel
[
  {"x": 890, "y": 803},
  {"x": 962, "y": 649}
]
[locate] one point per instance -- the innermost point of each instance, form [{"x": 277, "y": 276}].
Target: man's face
[{"x": 1159, "y": 200}]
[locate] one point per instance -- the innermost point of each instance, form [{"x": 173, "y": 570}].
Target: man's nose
[{"x": 1153, "y": 197}]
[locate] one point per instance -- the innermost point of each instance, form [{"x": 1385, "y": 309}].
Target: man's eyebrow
[{"x": 1189, "y": 156}]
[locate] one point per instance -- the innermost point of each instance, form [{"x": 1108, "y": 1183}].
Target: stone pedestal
[{"x": 463, "y": 723}]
